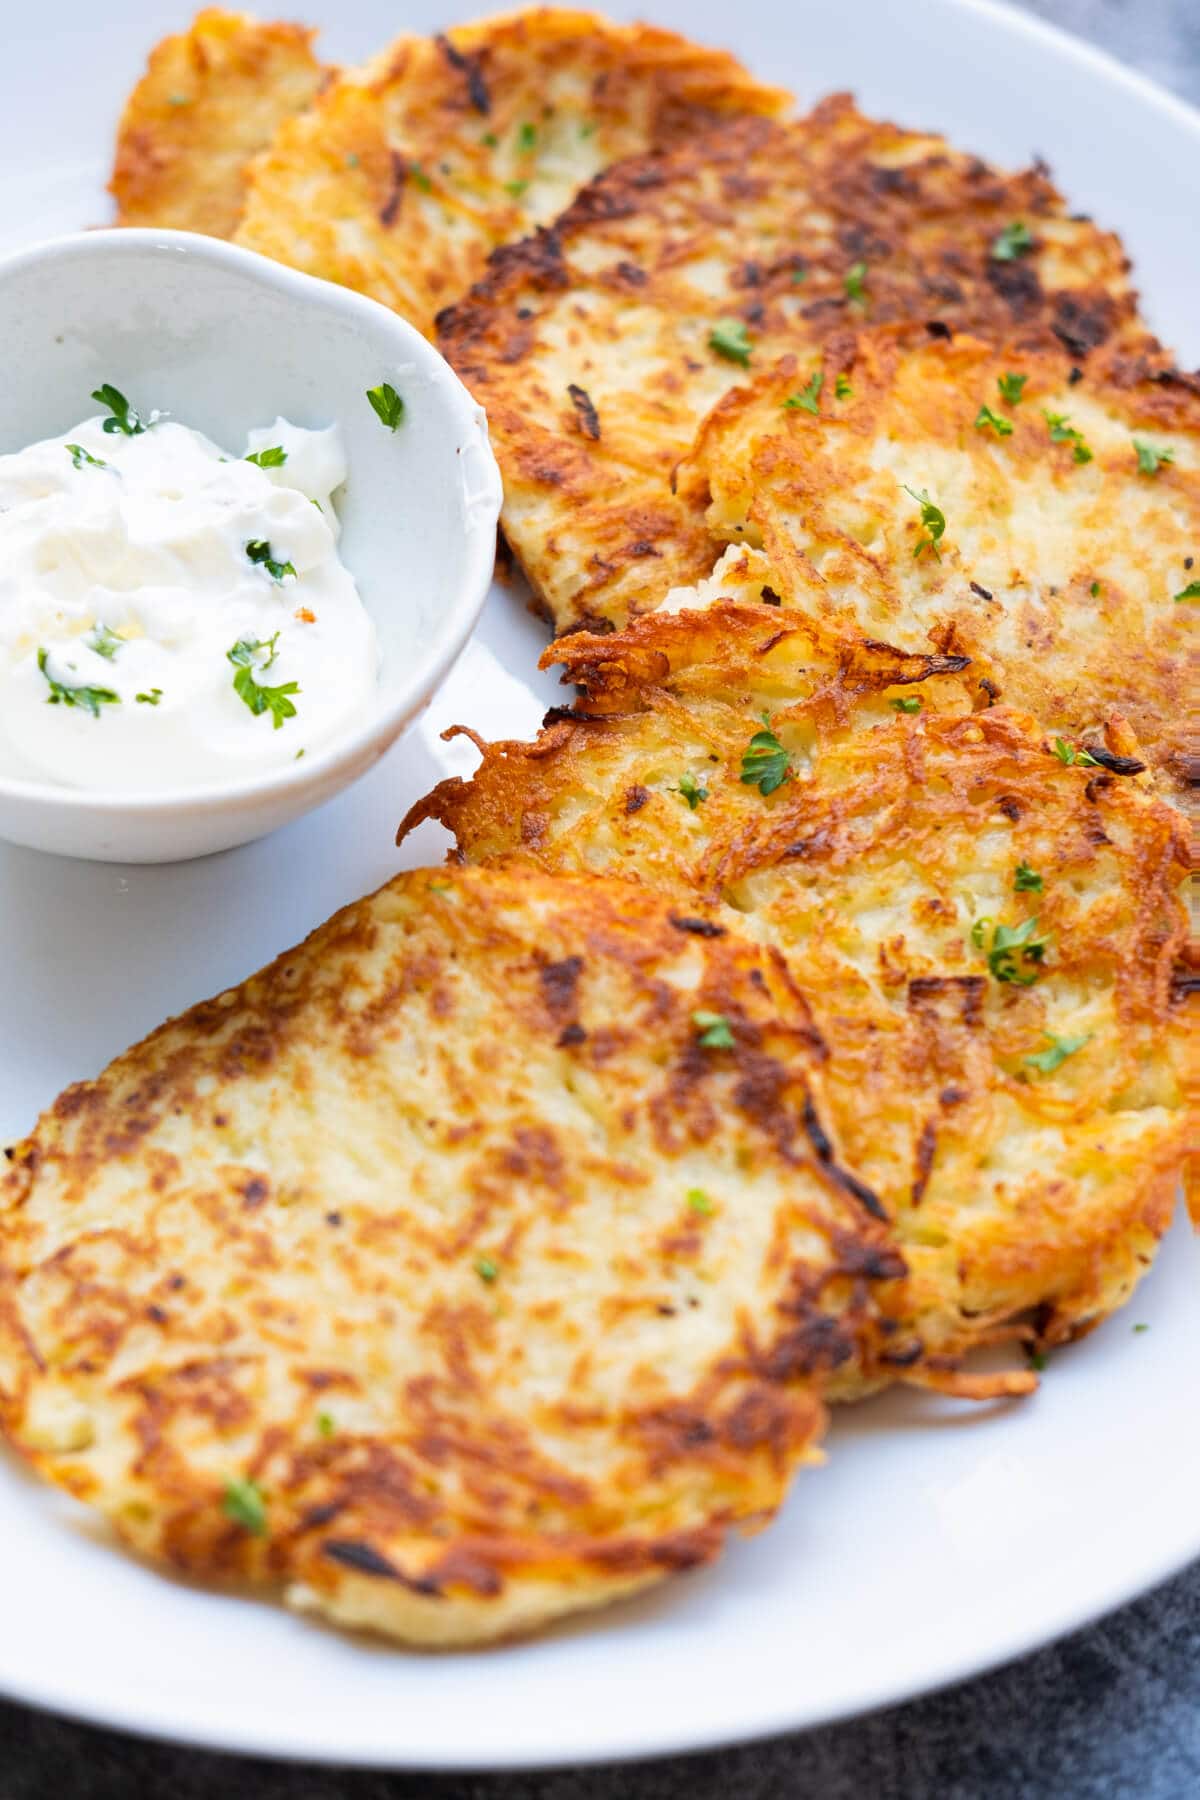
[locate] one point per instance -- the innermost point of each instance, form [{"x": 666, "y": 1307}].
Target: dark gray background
[{"x": 1109, "y": 1713}]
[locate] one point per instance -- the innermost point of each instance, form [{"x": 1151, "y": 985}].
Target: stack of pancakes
[{"x": 803, "y": 1010}]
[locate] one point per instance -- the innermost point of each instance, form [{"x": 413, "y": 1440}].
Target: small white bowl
[{"x": 225, "y": 340}]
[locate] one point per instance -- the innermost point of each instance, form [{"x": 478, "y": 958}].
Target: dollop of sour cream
[{"x": 173, "y": 617}]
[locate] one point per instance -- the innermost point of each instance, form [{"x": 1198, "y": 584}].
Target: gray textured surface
[
  {"x": 1160, "y": 37},
  {"x": 1109, "y": 1713}
]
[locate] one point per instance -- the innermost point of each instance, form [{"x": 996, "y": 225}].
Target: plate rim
[{"x": 194, "y": 1735}]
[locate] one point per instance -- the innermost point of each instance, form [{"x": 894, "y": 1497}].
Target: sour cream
[{"x": 173, "y": 617}]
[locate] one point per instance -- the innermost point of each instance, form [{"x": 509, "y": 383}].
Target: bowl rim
[{"x": 455, "y": 622}]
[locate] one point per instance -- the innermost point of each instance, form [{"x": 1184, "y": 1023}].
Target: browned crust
[
  {"x": 211, "y": 98},
  {"x": 925, "y": 1098},
  {"x": 410, "y": 171},
  {"x": 159, "y": 1282},
  {"x": 1057, "y": 580},
  {"x": 593, "y": 520}
]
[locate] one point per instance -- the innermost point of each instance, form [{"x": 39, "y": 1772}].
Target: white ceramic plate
[{"x": 940, "y": 1538}]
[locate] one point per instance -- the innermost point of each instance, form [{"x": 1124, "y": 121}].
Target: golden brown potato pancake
[
  {"x": 409, "y": 172},
  {"x": 986, "y": 937},
  {"x": 480, "y": 1260},
  {"x": 211, "y": 98},
  {"x": 1050, "y": 536},
  {"x": 597, "y": 347}
]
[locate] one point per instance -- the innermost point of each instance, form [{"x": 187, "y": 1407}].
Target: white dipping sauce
[{"x": 153, "y": 608}]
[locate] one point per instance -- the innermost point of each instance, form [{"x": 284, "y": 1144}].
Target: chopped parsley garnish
[
  {"x": 933, "y": 521},
  {"x": 1150, "y": 459},
  {"x": 1141, "y": 1328},
  {"x": 150, "y": 699},
  {"x": 325, "y": 1424},
  {"x": 1015, "y": 240},
  {"x": 486, "y": 1269},
  {"x": 1094, "y": 590},
  {"x": 1190, "y": 592},
  {"x": 855, "y": 282},
  {"x": 728, "y": 338},
  {"x": 1011, "y": 388},
  {"x": 1069, "y": 754},
  {"x": 689, "y": 789},
  {"x": 527, "y": 136},
  {"x": 91, "y": 699},
  {"x": 247, "y": 648},
  {"x": 258, "y": 698},
  {"x": 699, "y": 1202},
  {"x": 259, "y": 552},
  {"x": 491, "y": 140},
  {"x": 389, "y": 407},
  {"x": 420, "y": 177},
  {"x": 79, "y": 456},
  {"x": 841, "y": 387},
  {"x": 122, "y": 415},
  {"x": 1036, "y": 1360},
  {"x": 765, "y": 762},
  {"x": 1057, "y": 1052},
  {"x": 274, "y": 458},
  {"x": 246, "y": 1505},
  {"x": 104, "y": 642},
  {"x": 985, "y": 417},
  {"x": 588, "y": 130},
  {"x": 806, "y": 400},
  {"x": 515, "y": 188},
  {"x": 1027, "y": 880},
  {"x": 1015, "y": 951},
  {"x": 713, "y": 1031},
  {"x": 1063, "y": 433},
  {"x": 908, "y": 703}
]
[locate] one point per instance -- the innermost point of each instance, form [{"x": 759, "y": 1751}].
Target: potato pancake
[
  {"x": 483, "y": 1259},
  {"x": 986, "y": 937},
  {"x": 1041, "y": 519},
  {"x": 597, "y": 347},
  {"x": 409, "y": 172},
  {"x": 211, "y": 98}
]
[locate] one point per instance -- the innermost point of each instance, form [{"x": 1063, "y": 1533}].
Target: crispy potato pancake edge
[
  {"x": 445, "y": 1273},
  {"x": 598, "y": 345},
  {"x": 409, "y": 172},
  {"x": 211, "y": 98},
  {"x": 1024, "y": 1121},
  {"x": 1050, "y": 537}
]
